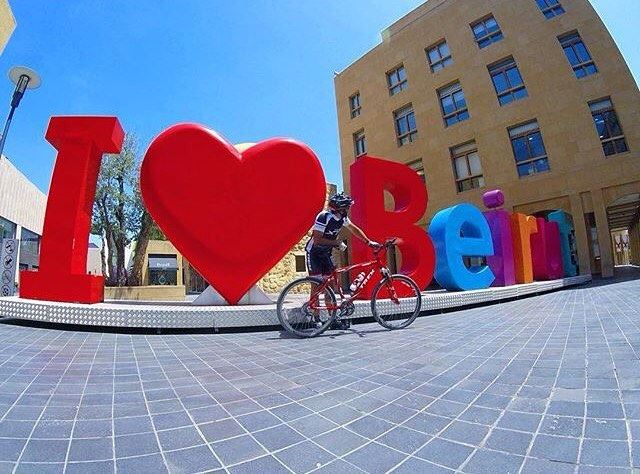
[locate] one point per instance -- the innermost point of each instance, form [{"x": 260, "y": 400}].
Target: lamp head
[{"x": 24, "y": 78}]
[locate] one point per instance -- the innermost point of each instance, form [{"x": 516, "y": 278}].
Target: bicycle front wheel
[
  {"x": 301, "y": 317},
  {"x": 391, "y": 314}
]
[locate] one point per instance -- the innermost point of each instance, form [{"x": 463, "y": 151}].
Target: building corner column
[
  {"x": 604, "y": 235},
  {"x": 580, "y": 228}
]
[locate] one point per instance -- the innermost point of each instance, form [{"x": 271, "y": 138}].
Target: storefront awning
[{"x": 168, "y": 262}]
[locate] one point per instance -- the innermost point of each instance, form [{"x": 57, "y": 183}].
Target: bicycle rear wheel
[
  {"x": 390, "y": 314},
  {"x": 294, "y": 313}
]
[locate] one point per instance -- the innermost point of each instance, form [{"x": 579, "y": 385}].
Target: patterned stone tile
[{"x": 549, "y": 383}]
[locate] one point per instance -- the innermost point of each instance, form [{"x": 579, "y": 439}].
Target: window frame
[
  {"x": 487, "y": 35},
  {"x": 611, "y": 139},
  {"x": 525, "y": 134},
  {"x": 402, "y": 84},
  {"x": 463, "y": 151},
  {"x": 440, "y": 64},
  {"x": 570, "y": 40},
  {"x": 400, "y": 114},
  {"x": 501, "y": 67},
  {"x": 29, "y": 246},
  {"x": 448, "y": 91},
  {"x": 358, "y": 137},
  {"x": 551, "y": 8},
  {"x": 357, "y": 110},
  {"x": 8, "y": 229},
  {"x": 418, "y": 167}
]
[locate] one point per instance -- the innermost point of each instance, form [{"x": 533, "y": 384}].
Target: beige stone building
[
  {"x": 22, "y": 208},
  {"x": 7, "y": 23},
  {"x": 529, "y": 96},
  {"x": 162, "y": 276}
]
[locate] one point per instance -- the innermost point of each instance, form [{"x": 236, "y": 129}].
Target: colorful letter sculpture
[
  {"x": 522, "y": 226},
  {"x": 370, "y": 178},
  {"x": 232, "y": 215},
  {"x": 546, "y": 251},
  {"x": 62, "y": 276},
  {"x": 235, "y": 213},
  {"x": 461, "y": 231},
  {"x": 565, "y": 227},
  {"x": 501, "y": 262}
]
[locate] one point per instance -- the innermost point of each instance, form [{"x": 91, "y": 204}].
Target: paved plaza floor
[{"x": 544, "y": 384}]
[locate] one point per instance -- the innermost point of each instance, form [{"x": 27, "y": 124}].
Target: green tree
[
  {"x": 119, "y": 215},
  {"x": 147, "y": 230}
]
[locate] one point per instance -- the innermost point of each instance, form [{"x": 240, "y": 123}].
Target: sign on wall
[{"x": 9, "y": 259}]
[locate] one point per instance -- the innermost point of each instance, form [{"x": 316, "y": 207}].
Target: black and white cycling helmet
[{"x": 340, "y": 201}]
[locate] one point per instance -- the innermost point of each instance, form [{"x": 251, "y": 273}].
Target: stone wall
[
  {"x": 22, "y": 202},
  {"x": 145, "y": 293},
  {"x": 7, "y": 23}
]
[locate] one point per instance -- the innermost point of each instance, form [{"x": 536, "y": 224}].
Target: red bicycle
[{"x": 308, "y": 306}]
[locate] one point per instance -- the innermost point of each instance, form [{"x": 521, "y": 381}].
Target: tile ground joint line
[
  {"x": 232, "y": 417},
  {"x": 615, "y": 373},
  {"x": 438, "y": 398}
]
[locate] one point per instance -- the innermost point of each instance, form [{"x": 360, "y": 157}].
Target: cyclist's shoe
[{"x": 341, "y": 324}]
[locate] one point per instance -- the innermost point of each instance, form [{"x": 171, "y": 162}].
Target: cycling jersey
[
  {"x": 319, "y": 260},
  {"x": 329, "y": 224}
]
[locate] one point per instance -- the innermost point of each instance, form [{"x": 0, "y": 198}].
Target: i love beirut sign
[{"x": 234, "y": 214}]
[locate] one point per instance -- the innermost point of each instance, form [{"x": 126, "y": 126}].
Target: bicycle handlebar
[{"x": 387, "y": 244}]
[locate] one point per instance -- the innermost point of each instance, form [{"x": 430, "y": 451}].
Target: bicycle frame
[{"x": 370, "y": 268}]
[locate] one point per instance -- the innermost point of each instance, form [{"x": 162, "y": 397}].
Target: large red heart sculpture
[{"x": 233, "y": 215}]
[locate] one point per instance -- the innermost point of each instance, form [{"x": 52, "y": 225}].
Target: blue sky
[{"x": 248, "y": 69}]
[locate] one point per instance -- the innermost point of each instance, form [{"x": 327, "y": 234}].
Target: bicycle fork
[{"x": 393, "y": 295}]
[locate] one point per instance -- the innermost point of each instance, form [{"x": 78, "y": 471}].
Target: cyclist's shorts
[{"x": 319, "y": 260}]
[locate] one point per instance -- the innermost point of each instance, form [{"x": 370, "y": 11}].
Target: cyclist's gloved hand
[
  {"x": 342, "y": 246},
  {"x": 374, "y": 244}
]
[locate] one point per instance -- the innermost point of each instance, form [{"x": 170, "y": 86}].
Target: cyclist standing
[{"x": 324, "y": 237}]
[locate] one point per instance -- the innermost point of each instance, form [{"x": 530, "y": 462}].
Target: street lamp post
[{"x": 24, "y": 78}]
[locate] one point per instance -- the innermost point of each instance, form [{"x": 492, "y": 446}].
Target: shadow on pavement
[{"x": 621, "y": 274}]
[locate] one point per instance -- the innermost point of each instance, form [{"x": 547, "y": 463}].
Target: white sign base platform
[{"x": 210, "y": 297}]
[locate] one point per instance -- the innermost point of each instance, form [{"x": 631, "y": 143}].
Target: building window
[
  {"x": 163, "y": 269},
  {"x": 397, "y": 80},
  {"x": 528, "y": 149},
  {"x": 550, "y": 8},
  {"x": 7, "y": 229},
  {"x": 454, "y": 107},
  {"x": 406, "y": 130},
  {"x": 301, "y": 263},
  {"x": 439, "y": 56},
  {"x": 29, "y": 248},
  {"x": 467, "y": 167},
  {"x": 486, "y": 31},
  {"x": 418, "y": 167},
  {"x": 359, "y": 143},
  {"x": 608, "y": 127},
  {"x": 507, "y": 81},
  {"x": 354, "y": 104},
  {"x": 578, "y": 55}
]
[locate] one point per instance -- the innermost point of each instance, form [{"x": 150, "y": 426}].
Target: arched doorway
[{"x": 623, "y": 217}]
